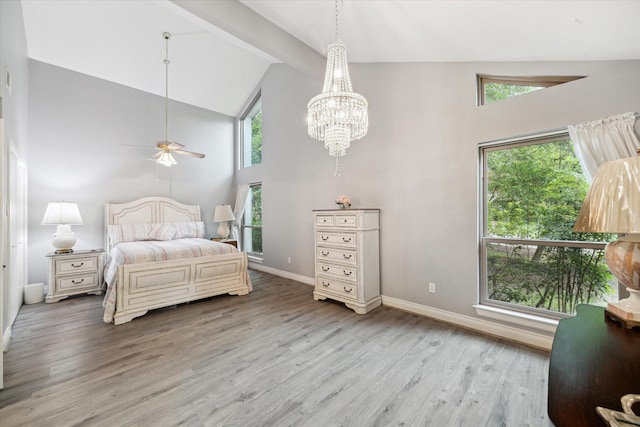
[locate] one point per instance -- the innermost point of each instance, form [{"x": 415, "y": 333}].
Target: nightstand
[
  {"x": 228, "y": 241},
  {"x": 78, "y": 272}
]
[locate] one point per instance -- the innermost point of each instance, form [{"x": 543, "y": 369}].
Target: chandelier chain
[{"x": 337, "y": 13}]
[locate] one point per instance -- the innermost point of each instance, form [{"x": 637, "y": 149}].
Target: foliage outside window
[
  {"x": 497, "y": 88},
  {"x": 252, "y": 222},
  {"x": 251, "y": 134},
  {"x": 531, "y": 259}
]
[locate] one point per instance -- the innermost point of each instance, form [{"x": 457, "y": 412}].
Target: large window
[
  {"x": 252, "y": 223},
  {"x": 531, "y": 259},
  {"x": 251, "y": 134}
]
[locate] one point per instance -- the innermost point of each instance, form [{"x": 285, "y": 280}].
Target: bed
[{"x": 157, "y": 257}]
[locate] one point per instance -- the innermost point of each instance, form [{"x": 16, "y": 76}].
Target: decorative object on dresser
[
  {"x": 347, "y": 246},
  {"x": 158, "y": 257},
  {"x": 338, "y": 115},
  {"x": 223, "y": 214},
  {"x": 75, "y": 273},
  {"x": 64, "y": 215},
  {"x": 612, "y": 205},
  {"x": 343, "y": 201},
  {"x": 593, "y": 363}
]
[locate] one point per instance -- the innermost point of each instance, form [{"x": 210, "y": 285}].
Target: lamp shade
[
  {"x": 62, "y": 213},
  {"x": 223, "y": 213}
]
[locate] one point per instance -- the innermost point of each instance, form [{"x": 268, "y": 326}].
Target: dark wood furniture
[{"x": 594, "y": 362}]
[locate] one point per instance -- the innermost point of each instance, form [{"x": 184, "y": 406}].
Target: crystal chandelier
[{"x": 338, "y": 115}]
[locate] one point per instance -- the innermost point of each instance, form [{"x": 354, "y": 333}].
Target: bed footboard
[{"x": 143, "y": 287}]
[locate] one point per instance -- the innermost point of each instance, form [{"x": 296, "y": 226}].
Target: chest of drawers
[
  {"x": 347, "y": 257},
  {"x": 74, "y": 273}
]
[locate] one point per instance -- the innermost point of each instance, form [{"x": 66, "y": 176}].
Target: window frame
[
  {"x": 244, "y": 130},
  {"x": 484, "y": 239},
  {"x": 537, "y": 81},
  {"x": 254, "y": 256}
]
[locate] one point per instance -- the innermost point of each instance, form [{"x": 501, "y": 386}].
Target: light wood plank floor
[{"x": 273, "y": 358}]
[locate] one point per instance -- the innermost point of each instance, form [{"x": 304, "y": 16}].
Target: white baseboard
[
  {"x": 6, "y": 338},
  {"x": 530, "y": 338},
  {"x": 287, "y": 275},
  {"x": 503, "y": 331}
]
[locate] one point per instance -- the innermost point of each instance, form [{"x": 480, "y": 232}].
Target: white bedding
[{"x": 151, "y": 251}]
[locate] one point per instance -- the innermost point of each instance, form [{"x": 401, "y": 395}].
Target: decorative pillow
[
  {"x": 128, "y": 232},
  {"x": 161, "y": 231},
  {"x": 188, "y": 229}
]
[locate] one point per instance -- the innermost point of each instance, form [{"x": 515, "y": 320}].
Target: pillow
[
  {"x": 188, "y": 229},
  {"x": 128, "y": 232},
  {"x": 161, "y": 231}
]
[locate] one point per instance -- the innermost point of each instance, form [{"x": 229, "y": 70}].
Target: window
[
  {"x": 251, "y": 134},
  {"x": 496, "y": 88},
  {"x": 531, "y": 260},
  {"x": 252, "y": 223}
]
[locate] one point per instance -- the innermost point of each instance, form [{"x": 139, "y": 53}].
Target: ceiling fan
[{"x": 167, "y": 148}]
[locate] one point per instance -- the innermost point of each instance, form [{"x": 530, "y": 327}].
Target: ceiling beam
[{"x": 243, "y": 23}]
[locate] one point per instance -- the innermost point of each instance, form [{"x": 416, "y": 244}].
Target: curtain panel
[{"x": 603, "y": 140}]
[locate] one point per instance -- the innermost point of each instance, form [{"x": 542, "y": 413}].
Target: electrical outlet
[
  {"x": 288, "y": 260},
  {"x": 432, "y": 287}
]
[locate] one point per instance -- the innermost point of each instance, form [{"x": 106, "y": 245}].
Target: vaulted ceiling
[{"x": 219, "y": 50}]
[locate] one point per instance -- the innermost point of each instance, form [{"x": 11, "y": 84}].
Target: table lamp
[
  {"x": 612, "y": 205},
  {"x": 62, "y": 214},
  {"x": 223, "y": 214}
]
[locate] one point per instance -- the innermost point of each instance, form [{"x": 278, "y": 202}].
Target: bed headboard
[{"x": 148, "y": 209}]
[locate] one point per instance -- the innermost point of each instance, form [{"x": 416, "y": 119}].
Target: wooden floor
[{"x": 275, "y": 357}]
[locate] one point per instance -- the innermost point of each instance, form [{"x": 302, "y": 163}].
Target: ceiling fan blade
[
  {"x": 139, "y": 146},
  {"x": 175, "y": 146},
  {"x": 158, "y": 154},
  {"x": 189, "y": 153}
]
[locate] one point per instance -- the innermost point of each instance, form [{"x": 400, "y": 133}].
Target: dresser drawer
[
  {"x": 338, "y": 271},
  {"x": 324, "y": 220},
  {"x": 343, "y": 256},
  {"x": 76, "y": 265},
  {"x": 347, "y": 221},
  {"x": 338, "y": 239},
  {"x": 339, "y": 289},
  {"x": 74, "y": 283}
]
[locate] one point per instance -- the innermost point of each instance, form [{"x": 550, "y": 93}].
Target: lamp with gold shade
[{"x": 612, "y": 205}]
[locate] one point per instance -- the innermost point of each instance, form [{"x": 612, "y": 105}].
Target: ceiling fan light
[{"x": 166, "y": 159}]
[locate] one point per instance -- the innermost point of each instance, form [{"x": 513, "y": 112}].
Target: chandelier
[{"x": 338, "y": 115}]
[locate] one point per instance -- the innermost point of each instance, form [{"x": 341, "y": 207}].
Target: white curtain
[
  {"x": 238, "y": 211},
  {"x": 603, "y": 140}
]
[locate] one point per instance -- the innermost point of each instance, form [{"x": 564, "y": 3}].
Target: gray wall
[
  {"x": 13, "y": 56},
  {"x": 79, "y": 128},
  {"x": 418, "y": 163}
]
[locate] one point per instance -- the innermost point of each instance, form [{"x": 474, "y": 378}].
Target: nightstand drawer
[
  {"x": 77, "y": 265},
  {"x": 337, "y": 288},
  {"x": 338, "y": 239},
  {"x": 342, "y": 256},
  {"x": 338, "y": 271},
  {"x": 74, "y": 283}
]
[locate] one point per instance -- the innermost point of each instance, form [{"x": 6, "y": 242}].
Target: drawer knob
[
  {"x": 326, "y": 284},
  {"x": 325, "y": 268},
  {"x": 77, "y": 265},
  {"x": 77, "y": 282},
  {"x": 347, "y": 273},
  {"x": 346, "y": 256},
  {"x": 347, "y": 290},
  {"x": 344, "y": 221},
  {"x": 324, "y": 253},
  {"x": 324, "y": 238},
  {"x": 346, "y": 239}
]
